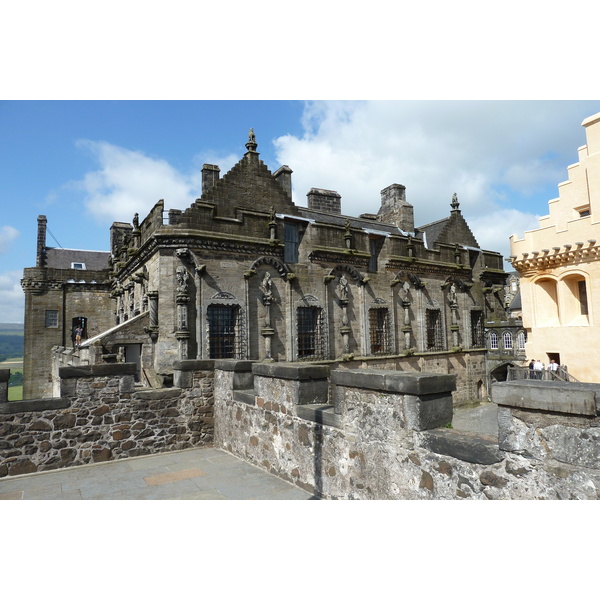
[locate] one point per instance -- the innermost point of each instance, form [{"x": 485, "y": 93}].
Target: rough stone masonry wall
[
  {"x": 383, "y": 438},
  {"x": 100, "y": 416}
]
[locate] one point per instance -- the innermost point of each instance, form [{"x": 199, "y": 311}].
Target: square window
[{"x": 51, "y": 318}]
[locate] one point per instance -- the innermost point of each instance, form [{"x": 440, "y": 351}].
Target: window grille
[
  {"x": 224, "y": 331},
  {"x": 379, "y": 330},
  {"x": 493, "y": 341},
  {"x": 521, "y": 339},
  {"x": 477, "y": 340},
  {"x": 434, "y": 339},
  {"x": 310, "y": 328},
  {"x": 51, "y": 318},
  {"x": 508, "y": 340}
]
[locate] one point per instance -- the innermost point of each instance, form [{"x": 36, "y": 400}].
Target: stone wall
[
  {"x": 468, "y": 367},
  {"x": 382, "y": 436},
  {"x": 102, "y": 416},
  {"x": 342, "y": 434}
]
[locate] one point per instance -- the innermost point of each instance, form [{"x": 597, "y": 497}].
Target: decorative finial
[
  {"x": 251, "y": 145},
  {"x": 454, "y": 203}
]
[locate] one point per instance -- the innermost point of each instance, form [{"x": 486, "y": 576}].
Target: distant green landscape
[
  {"x": 11, "y": 357},
  {"x": 11, "y": 341}
]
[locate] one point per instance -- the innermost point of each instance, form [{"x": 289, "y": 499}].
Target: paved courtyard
[{"x": 196, "y": 474}]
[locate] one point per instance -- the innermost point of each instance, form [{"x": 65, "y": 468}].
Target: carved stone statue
[
  {"x": 343, "y": 288},
  {"x": 452, "y": 294},
  {"x": 266, "y": 286},
  {"x": 182, "y": 280}
]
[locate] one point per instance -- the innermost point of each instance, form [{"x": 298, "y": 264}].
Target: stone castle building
[
  {"x": 559, "y": 268},
  {"x": 245, "y": 273}
]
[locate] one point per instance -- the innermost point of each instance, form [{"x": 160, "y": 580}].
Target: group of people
[{"x": 537, "y": 368}]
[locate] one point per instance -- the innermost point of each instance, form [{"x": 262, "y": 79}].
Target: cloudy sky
[
  {"x": 83, "y": 144},
  {"x": 85, "y": 164}
]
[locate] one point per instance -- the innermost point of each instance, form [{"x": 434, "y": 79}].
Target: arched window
[
  {"x": 546, "y": 303},
  {"x": 508, "y": 340},
  {"x": 493, "y": 341},
  {"x": 574, "y": 307},
  {"x": 521, "y": 339}
]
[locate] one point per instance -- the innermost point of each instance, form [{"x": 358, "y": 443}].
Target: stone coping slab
[
  {"x": 319, "y": 413},
  {"x": 234, "y": 365},
  {"x": 551, "y": 396},
  {"x": 469, "y": 447},
  {"x": 399, "y": 382},
  {"x": 100, "y": 370},
  {"x": 18, "y": 406},
  {"x": 194, "y": 365},
  {"x": 297, "y": 371},
  {"x": 159, "y": 394}
]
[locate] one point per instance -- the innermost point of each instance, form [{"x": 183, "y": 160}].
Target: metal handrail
[{"x": 522, "y": 373}]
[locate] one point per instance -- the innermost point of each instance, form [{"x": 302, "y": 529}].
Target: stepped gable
[
  {"x": 451, "y": 230},
  {"x": 248, "y": 185}
]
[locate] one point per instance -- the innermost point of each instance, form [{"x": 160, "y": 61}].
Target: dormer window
[{"x": 78, "y": 265}]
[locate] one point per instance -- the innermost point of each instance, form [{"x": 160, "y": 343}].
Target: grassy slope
[
  {"x": 16, "y": 366},
  {"x": 14, "y": 392}
]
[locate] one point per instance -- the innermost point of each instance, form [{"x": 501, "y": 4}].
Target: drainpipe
[{"x": 64, "y": 311}]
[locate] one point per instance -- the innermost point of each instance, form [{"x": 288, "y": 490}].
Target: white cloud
[
  {"x": 12, "y": 299},
  {"x": 494, "y": 155},
  {"x": 494, "y": 229},
  {"x": 7, "y": 235},
  {"x": 130, "y": 182}
]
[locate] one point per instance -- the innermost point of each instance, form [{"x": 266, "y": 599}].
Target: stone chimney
[
  {"x": 40, "y": 260},
  {"x": 325, "y": 200},
  {"x": 210, "y": 176},
  {"x": 395, "y": 210},
  {"x": 283, "y": 176}
]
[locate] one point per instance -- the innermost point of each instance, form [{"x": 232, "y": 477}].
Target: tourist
[
  {"x": 553, "y": 368},
  {"x": 538, "y": 369}
]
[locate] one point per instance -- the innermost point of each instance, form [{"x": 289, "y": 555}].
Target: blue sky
[{"x": 85, "y": 164}]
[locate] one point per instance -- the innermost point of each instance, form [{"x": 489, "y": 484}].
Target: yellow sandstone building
[{"x": 559, "y": 267}]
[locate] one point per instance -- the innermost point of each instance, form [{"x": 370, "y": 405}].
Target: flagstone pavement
[{"x": 196, "y": 474}]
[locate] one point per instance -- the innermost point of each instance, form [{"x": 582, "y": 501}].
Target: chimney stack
[
  {"x": 283, "y": 176},
  {"x": 40, "y": 260},
  {"x": 210, "y": 176},
  {"x": 395, "y": 209},
  {"x": 325, "y": 200}
]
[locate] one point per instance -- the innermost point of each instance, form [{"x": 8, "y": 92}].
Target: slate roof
[{"x": 62, "y": 258}]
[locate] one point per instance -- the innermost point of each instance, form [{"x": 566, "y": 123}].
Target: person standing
[
  {"x": 553, "y": 368},
  {"x": 538, "y": 369},
  {"x": 531, "y": 365},
  {"x": 78, "y": 333}
]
